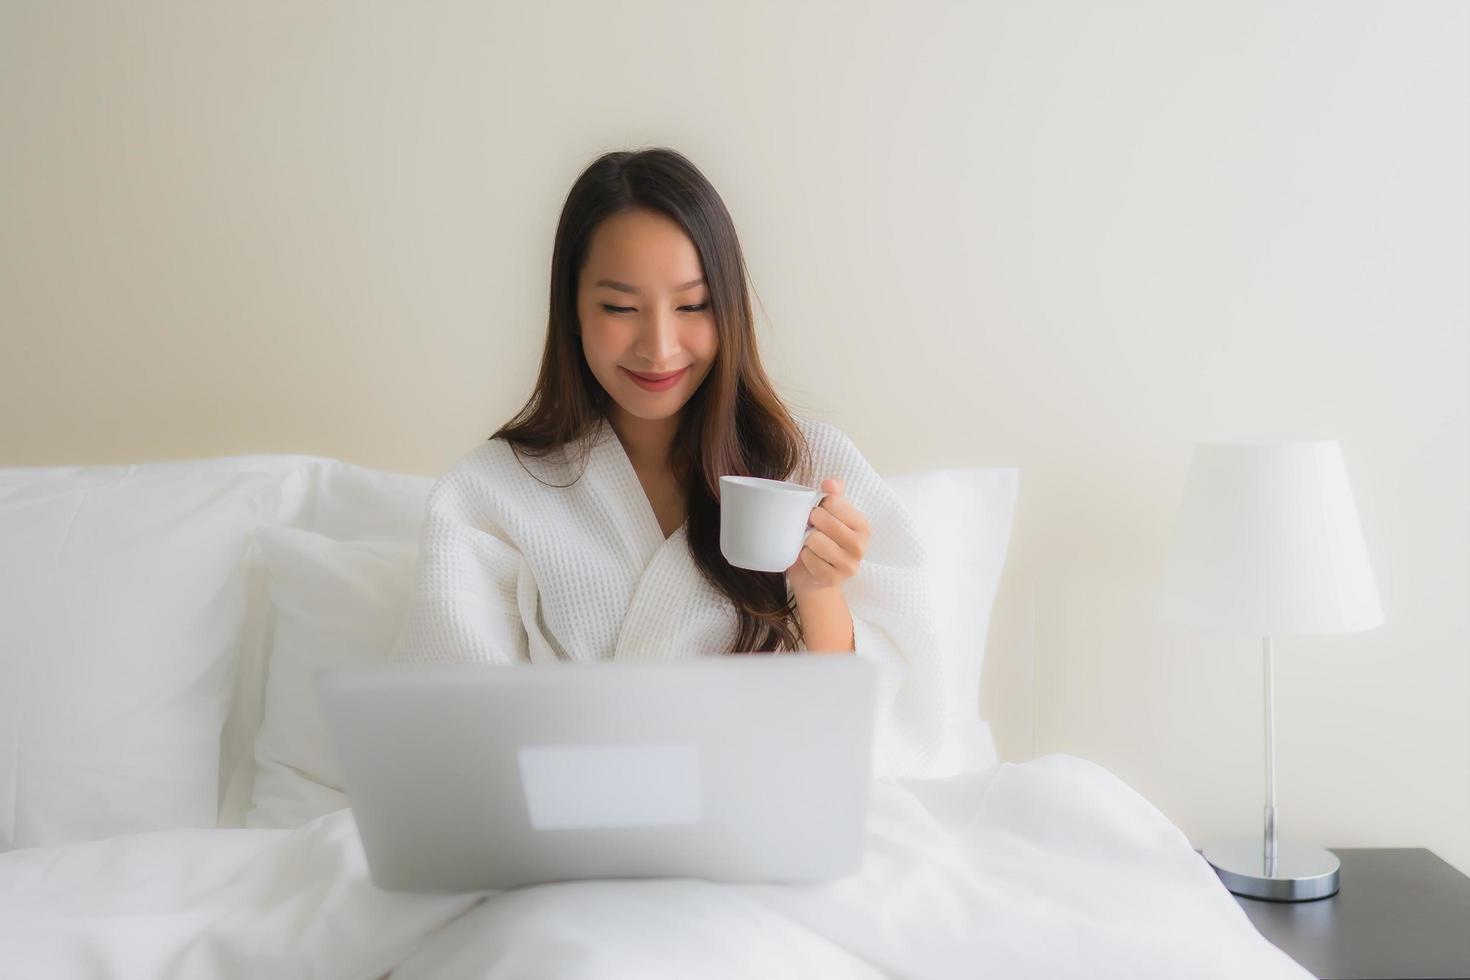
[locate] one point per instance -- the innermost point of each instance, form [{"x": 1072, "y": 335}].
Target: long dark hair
[{"x": 733, "y": 424}]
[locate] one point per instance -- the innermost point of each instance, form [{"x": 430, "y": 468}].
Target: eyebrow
[{"x": 623, "y": 287}]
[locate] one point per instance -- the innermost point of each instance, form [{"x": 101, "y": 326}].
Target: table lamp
[{"x": 1267, "y": 543}]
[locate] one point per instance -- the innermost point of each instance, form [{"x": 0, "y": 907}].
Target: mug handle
[{"x": 811, "y": 530}]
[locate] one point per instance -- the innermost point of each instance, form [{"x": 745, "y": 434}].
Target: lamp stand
[{"x": 1276, "y": 870}]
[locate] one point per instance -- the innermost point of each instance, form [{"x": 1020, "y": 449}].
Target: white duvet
[{"x": 1051, "y": 868}]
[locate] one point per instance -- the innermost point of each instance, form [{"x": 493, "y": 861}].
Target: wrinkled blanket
[{"x": 1051, "y": 868}]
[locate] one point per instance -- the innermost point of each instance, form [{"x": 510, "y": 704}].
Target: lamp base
[{"x": 1301, "y": 873}]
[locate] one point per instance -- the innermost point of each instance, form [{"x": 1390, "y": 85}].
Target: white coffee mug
[{"x": 763, "y": 522}]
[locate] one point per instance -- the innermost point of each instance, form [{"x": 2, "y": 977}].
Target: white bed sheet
[{"x": 1051, "y": 868}]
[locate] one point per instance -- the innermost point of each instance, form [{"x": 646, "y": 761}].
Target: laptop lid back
[{"x": 753, "y": 767}]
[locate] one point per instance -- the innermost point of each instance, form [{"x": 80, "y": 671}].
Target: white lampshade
[{"x": 1268, "y": 543}]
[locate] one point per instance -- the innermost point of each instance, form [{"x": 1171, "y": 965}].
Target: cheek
[
  {"x": 705, "y": 341},
  {"x": 597, "y": 338},
  {"x": 592, "y": 318}
]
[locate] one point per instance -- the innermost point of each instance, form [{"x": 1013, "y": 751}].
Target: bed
[{"x": 170, "y": 807}]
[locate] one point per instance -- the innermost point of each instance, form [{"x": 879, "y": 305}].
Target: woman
[{"x": 587, "y": 528}]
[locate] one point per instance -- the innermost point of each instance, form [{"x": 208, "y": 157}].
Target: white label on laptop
[{"x": 633, "y": 785}]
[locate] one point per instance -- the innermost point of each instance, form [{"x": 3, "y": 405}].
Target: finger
[
  {"x": 842, "y": 509},
  {"x": 829, "y": 551},
  {"x": 829, "y": 524},
  {"x": 819, "y": 570},
  {"x": 836, "y": 499}
]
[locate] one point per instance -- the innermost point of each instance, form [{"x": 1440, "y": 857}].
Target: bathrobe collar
[{"x": 668, "y": 567}]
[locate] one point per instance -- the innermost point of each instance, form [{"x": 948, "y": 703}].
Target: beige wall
[{"x": 1072, "y": 238}]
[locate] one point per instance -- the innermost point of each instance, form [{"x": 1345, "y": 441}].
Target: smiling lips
[{"x": 656, "y": 382}]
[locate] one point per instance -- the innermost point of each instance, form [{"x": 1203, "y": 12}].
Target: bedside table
[{"x": 1402, "y": 912}]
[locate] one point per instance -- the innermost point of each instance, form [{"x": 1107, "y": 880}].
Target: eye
[{"x": 693, "y": 308}]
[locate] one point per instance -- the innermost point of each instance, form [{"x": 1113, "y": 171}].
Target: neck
[{"x": 646, "y": 441}]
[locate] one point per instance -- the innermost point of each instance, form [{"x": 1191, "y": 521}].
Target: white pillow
[
  {"x": 964, "y": 518},
  {"x": 339, "y": 500},
  {"x": 337, "y": 604},
  {"x": 122, "y": 595},
  {"x": 348, "y": 502}
]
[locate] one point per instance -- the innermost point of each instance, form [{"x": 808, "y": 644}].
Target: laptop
[{"x": 467, "y": 777}]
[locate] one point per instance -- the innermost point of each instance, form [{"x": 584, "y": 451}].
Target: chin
[{"x": 652, "y": 414}]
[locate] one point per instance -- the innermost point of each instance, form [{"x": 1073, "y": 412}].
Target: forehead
[{"x": 643, "y": 248}]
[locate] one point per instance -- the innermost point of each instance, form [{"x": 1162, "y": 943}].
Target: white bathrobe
[{"x": 513, "y": 571}]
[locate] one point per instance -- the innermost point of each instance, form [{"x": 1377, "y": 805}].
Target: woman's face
[{"x": 644, "y": 309}]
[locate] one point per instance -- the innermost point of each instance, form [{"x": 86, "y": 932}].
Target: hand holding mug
[{"x": 835, "y": 545}]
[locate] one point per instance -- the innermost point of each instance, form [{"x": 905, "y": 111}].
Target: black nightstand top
[{"x": 1402, "y": 912}]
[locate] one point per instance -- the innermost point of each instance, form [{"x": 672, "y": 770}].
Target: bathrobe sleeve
[
  {"x": 464, "y": 607},
  {"x": 895, "y": 622}
]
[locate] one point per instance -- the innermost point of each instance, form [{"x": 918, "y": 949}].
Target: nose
[{"x": 658, "y": 340}]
